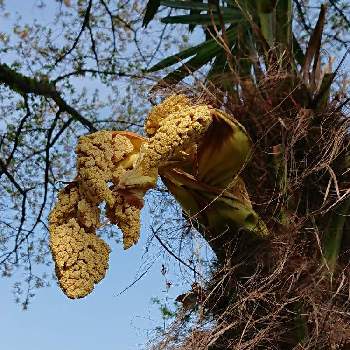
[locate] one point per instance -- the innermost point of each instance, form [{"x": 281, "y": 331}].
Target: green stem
[
  {"x": 334, "y": 234},
  {"x": 301, "y": 331}
]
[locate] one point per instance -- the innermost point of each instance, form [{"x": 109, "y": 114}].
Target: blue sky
[{"x": 102, "y": 320}]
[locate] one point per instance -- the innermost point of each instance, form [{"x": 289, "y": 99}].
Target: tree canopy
[{"x": 67, "y": 68}]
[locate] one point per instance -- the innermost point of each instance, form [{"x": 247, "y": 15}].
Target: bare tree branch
[
  {"x": 18, "y": 134},
  {"x": 11, "y": 177},
  {"x": 112, "y": 22},
  {"x": 83, "y": 72},
  {"x": 84, "y": 25},
  {"x": 25, "y": 85},
  {"x": 173, "y": 254},
  {"x": 301, "y": 15},
  {"x": 341, "y": 13}
]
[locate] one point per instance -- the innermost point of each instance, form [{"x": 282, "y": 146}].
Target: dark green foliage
[{"x": 151, "y": 10}]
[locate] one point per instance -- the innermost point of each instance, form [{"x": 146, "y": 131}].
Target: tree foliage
[{"x": 72, "y": 68}]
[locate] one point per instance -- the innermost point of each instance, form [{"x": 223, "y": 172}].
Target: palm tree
[
  {"x": 257, "y": 157},
  {"x": 287, "y": 289}
]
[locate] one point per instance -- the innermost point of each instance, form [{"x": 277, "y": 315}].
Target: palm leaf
[
  {"x": 266, "y": 13},
  {"x": 229, "y": 16},
  {"x": 298, "y": 52},
  {"x": 334, "y": 234},
  {"x": 218, "y": 67},
  {"x": 151, "y": 10},
  {"x": 188, "y": 5},
  {"x": 169, "y": 61},
  {"x": 194, "y": 12},
  {"x": 284, "y": 23},
  {"x": 203, "y": 56},
  {"x": 189, "y": 67},
  {"x": 313, "y": 48},
  {"x": 267, "y": 27},
  {"x": 198, "y": 50}
]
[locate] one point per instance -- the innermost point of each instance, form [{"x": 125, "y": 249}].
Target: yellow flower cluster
[
  {"x": 198, "y": 151},
  {"x": 173, "y": 125},
  {"x": 81, "y": 257},
  {"x": 126, "y": 215},
  {"x": 170, "y": 105}
]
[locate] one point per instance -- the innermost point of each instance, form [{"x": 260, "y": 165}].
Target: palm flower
[
  {"x": 80, "y": 256},
  {"x": 180, "y": 149}
]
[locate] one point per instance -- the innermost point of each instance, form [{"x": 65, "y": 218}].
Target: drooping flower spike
[
  {"x": 199, "y": 153},
  {"x": 80, "y": 256}
]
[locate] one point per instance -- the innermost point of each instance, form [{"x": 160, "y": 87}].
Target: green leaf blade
[
  {"x": 187, "y": 5},
  {"x": 204, "y": 19},
  {"x": 207, "y": 46},
  {"x": 151, "y": 10}
]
